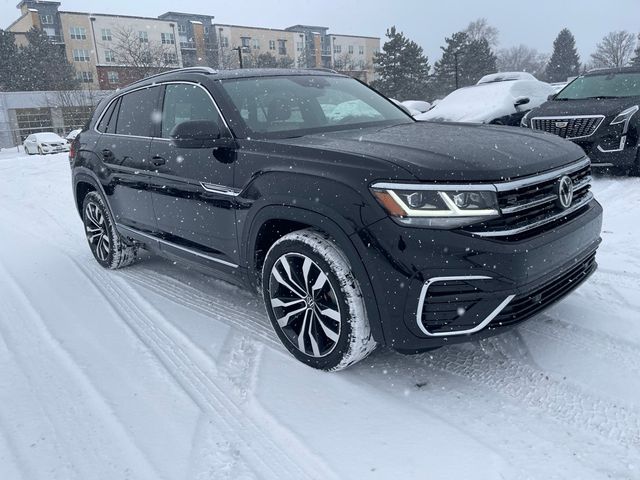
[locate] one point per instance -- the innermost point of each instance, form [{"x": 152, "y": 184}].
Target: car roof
[
  {"x": 181, "y": 73},
  {"x": 608, "y": 71}
]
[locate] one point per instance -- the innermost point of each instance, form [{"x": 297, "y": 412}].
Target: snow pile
[
  {"x": 419, "y": 106},
  {"x": 488, "y": 101},
  {"x": 505, "y": 77}
]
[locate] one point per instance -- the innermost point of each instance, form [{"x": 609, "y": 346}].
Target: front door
[{"x": 192, "y": 198}]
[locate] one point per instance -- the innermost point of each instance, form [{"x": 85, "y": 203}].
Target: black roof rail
[{"x": 208, "y": 70}]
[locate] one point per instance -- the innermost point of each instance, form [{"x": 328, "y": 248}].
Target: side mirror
[
  {"x": 521, "y": 101},
  {"x": 551, "y": 97},
  {"x": 195, "y": 134}
]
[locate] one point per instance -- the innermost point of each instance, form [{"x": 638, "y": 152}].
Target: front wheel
[
  {"x": 109, "y": 248},
  {"x": 315, "y": 303}
]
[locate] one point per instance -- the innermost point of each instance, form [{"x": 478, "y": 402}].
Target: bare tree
[
  {"x": 146, "y": 57},
  {"x": 615, "y": 50},
  {"x": 480, "y": 29},
  {"x": 522, "y": 59}
]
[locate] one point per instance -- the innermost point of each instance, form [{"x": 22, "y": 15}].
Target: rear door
[
  {"x": 192, "y": 195},
  {"x": 128, "y": 125}
]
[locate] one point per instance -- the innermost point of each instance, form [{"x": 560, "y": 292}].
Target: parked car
[
  {"x": 498, "y": 102},
  {"x": 73, "y": 134},
  {"x": 411, "y": 111},
  {"x": 506, "y": 77},
  {"x": 43, "y": 143},
  {"x": 358, "y": 229},
  {"x": 599, "y": 112}
]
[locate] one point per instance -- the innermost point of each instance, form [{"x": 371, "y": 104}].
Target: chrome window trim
[
  {"x": 221, "y": 189},
  {"x": 543, "y": 177},
  {"x": 530, "y": 226},
  {"x": 477, "y": 328},
  {"x": 174, "y": 245},
  {"x": 442, "y": 187},
  {"x": 570, "y": 117},
  {"x": 159, "y": 84}
]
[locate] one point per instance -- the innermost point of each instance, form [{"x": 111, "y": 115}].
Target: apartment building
[{"x": 97, "y": 44}]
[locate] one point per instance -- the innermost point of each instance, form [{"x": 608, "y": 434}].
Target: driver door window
[{"x": 186, "y": 102}]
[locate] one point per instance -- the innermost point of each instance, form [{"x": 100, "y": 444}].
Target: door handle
[{"x": 158, "y": 161}]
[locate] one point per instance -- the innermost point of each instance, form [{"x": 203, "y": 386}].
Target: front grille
[
  {"x": 527, "y": 305},
  {"x": 530, "y": 206},
  {"x": 569, "y": 128}
]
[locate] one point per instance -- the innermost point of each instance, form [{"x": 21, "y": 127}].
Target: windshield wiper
[{"x": 600, "y": 97}]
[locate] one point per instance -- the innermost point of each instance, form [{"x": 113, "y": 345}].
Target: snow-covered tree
[
  {"x": 480, "y": 29},
  {"x": 464, "y": 60},
  {"x": 522, "y": 58},
  {"x": 9, "y": 73},
  {"x": 615, "y": 50},
  {"x": 565, "y": 61},
  {"x": 402, "y": 68},
  {"x": 145, "y": 56},
  {"x": 43, "y": 65}
]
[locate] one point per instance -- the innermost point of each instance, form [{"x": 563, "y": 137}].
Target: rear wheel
[
  {"x": 109, "y": 248},
  {"x": 314, "y": 301}
]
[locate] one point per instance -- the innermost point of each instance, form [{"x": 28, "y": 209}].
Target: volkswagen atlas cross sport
[
  {"x": 359, "y": 225},
  {"x": 599, "y": 112}
]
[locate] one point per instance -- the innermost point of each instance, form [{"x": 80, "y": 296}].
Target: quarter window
[
  {"x": 183, "y": 103},
  {"x": 138, "y": 115},
  {"x": 108, "y": 121}
]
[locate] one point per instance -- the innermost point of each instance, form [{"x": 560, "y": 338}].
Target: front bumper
[{"x": 438, "y": 287}]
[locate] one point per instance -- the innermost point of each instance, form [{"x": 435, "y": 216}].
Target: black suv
[
  {"x": 599, "y": 112},
  {"x": 359, "y": 225}
]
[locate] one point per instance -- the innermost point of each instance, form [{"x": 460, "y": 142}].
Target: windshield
[
  {"x": 48, "y": 137},
  {"x": 280, "y": 107},
  {"x": 613, "y": 85}
]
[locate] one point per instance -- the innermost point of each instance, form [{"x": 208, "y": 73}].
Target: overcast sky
[{"x": 535, "y": 23}]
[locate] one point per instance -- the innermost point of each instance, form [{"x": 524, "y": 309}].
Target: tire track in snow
[
  {"x": 492, "y": 366},
  {"x": 256, "y": 445},
  {"x": 52, "y": 394}
]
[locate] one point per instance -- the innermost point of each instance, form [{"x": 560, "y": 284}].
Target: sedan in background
[
  {"x": 497, "y": 101},
  {"x": 46, "y": 142}
]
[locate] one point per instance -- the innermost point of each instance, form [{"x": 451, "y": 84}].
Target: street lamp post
[{"x": 240, "y": 50}]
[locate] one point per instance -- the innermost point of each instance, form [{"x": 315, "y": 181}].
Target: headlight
[
  {"x": 437, "y": 206},
  {"x": 524, "y": 122},
  {"x": 625, "y": 118}
]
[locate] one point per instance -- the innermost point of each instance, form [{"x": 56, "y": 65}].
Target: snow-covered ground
[{"x": 157, "y": 372}]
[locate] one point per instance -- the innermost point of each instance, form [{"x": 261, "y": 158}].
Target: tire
[
  {"x": 308, "y": 287},
  {"x": 109, "y": 248}
]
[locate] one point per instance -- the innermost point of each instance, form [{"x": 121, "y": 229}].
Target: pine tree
[
  {"x": 468, "y": 60},
  {"x": 565, "y": 61},
  {"x": 636, "y": 59},
  {"x": 402, "y": 68},
  {"x": 44, "y": 65},
  {"x": 8, "y": 59}
]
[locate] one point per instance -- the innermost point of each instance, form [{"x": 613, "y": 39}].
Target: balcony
[
  {"x": 56, "y": 39},
  {"x": 187, "y": 45}
]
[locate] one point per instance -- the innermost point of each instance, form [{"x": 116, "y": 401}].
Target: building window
[
  {"x": 110, "y": 56},
  {"x": 113, "y": 77},
  {"x": 143, "y": 37},
  {"x": 299, "y": 46},
  {"x": 256, "y": 44},
  {"x": 351, "y": 49},
  {"x": 206, "y": 30},
  {"x": 246, "y": 42},
  {"x": 182, "y": 28},
  {"x": 46, "y": 19},
  {"x": 168, "y": 39},
  {"x": 170, "y": 58},
  {"x": 85, "y": 77},
  {"x": 282, "y": 47},
  {"x": 51, "y": 32},
  {"x": 78, "y": 33},
  {"x": 224, "y": 42},
  {"x": 361, "y": 50},
  {"x": 272, "y": 44},
  {"x": 337, "y": 49},
  {"x": 106, "y": 35},
  {"x": 81, "y": 55}
]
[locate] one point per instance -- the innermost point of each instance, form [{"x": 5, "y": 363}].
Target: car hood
[
  {"x": 452, "y": 152},
  {"x": 609, "y": 107}
]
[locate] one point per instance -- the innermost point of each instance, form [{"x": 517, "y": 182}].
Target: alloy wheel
[
  {"x": 305, "y": 304},
  {"x": 97, "y": 231}
]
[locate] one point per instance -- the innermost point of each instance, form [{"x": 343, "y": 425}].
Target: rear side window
[
  {"x": 185, "y": 102},
  {"x": 108, "y": 121},
  {"x": 138, "y": 114}
]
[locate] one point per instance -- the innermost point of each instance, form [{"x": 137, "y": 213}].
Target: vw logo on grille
[
  {"x": 565, "y": 192},
  {"x": 562, "y": 124}
]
